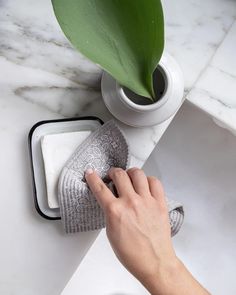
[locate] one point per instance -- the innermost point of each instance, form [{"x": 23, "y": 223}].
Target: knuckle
[
  {"x": 118, "y": 172},
  {"x": 99, "y": 188},
  {"x": 112, "y": 210},
  {"x": 155, "y": 181},
  {"x": 135, "y": 171},
  {"x": 152, "y": 178},
  {"x": 138, "y": 173},
  {"x": 163, "y": 210},
  {"x": 132, "y": 169},
  {"x": 135, "y": 202}
]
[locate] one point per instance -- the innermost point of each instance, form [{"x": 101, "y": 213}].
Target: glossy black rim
[{"x": 35, "y": 126}]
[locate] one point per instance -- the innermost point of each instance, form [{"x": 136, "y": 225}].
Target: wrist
[
  {"x": 172, "y": 278},
  {"x": 163, "y": 277}
]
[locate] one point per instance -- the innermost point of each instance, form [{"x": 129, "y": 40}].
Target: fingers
[
  {"x": 121, "y": 181},
  {"x": 129, "y": 183},
  {"x": 139, "y": 181},
  {"x": 157, "y": 190},
  {"x": 101, "y": 192}
]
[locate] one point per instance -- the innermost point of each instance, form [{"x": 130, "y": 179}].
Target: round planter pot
[{"x": 138, "y": 111}]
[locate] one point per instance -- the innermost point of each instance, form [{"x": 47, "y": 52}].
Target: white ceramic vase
[{"x": 137, "y": 111}]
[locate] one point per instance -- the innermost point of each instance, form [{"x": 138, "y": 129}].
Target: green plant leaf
[{"x": 125, "y": 37}]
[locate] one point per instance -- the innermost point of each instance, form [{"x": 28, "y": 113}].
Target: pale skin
[{"x": 138, "y": 228}]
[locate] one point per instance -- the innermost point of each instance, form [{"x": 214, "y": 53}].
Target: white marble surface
[
  {"x": 215, "y": 89},
  {"x": 201, "y": 35},
  {"x": 42, "y": 77}
]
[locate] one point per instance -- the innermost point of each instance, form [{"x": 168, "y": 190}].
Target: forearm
[{"x": 173, "y": 279}]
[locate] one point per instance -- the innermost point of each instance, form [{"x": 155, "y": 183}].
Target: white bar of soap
[{"x": 56, "y": 150}]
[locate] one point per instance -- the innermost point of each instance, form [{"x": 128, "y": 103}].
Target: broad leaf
[{"x": 125, "y": 37}]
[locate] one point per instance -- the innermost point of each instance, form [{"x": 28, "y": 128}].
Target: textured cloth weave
[{"x": 103, "y": 149}]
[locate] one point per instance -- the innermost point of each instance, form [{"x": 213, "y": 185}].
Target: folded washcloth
[{"x": 103, "y": 149}]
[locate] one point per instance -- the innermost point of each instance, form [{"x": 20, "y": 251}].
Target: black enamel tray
[{"x": 36, "y": 133}]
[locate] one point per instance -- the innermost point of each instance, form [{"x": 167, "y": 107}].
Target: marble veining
[{"x": 215, "y": 88}]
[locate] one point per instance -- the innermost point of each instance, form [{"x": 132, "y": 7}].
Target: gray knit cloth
[{"x": 103, "y": 149}]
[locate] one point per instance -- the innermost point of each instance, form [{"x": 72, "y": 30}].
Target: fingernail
[{"x": 89, "y": 171}]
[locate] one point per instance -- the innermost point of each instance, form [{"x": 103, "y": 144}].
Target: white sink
[{"x": 196, "y": 160}]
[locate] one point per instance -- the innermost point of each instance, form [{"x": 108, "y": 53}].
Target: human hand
[
  {"x": 137, "y": 222},
  {"x": 138, "y": 228}
]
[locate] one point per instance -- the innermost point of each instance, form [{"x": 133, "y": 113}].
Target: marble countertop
[
  {"x": 199, "y": 34},
  {"x": 43, "y": 77}
]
